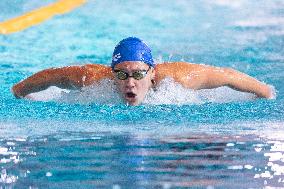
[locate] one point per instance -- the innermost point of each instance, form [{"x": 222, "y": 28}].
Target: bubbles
[
  {"x": 248, "y": 166},
  {"x": 167, "y": 92},
  {"x": 170, "y": 92},
  {"x": 7, "y": 178},
  {"x": 230, "y": 144},
  {"x": 48, "y": 174},
  {"x": 273, "y": 92},
  {"x": 104, "y": 92},
  {"x": 235, "y": 167},
  {"x": 52, "y": 93}
]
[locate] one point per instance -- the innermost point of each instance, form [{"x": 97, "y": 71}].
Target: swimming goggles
[{"x": 122, "y": 75}]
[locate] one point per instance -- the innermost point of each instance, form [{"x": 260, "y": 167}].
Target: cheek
[
  {"x": 120, "y": 84},
  {"x": 144, "y": 86}
]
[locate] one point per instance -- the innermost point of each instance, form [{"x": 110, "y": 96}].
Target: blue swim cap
[{"x": 132, "y": 49}]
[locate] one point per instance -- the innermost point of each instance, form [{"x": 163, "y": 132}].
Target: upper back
[{"x": 179, "y": 71}]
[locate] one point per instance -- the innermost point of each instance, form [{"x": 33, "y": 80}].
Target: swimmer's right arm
[
  {"x": 71, "y": 77},
  {"x": 66, "y": 78}
]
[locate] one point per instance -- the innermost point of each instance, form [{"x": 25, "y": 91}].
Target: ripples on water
[
  {"x": 136, "y": 161},
  {"x": 79, "y": 141}
]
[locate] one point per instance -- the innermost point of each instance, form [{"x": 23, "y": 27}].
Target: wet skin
[{"x": 131, "y": 90}]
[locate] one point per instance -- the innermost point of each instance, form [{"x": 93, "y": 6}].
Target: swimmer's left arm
[{"x": 217, "y": 77}]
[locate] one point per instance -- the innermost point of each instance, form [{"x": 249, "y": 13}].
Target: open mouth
[{"x": 130, "y": 95}]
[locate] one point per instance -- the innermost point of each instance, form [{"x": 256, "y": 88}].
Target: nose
[{"x": 130, "y": 82}]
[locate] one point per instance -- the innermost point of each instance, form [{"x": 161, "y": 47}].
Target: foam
[
  {"x": 7, "y": 178},
  {"x": 168, "y": 92},
  {"x": 270, "y": 131},
  {"x": 104, "y": 92}
]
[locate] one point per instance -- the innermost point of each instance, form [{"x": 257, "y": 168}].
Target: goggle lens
[
  {"x": 139, "y": 75},
  {"x": 122, "y": 75}
]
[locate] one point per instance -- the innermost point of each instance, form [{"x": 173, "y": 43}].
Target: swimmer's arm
[
  {"x": 217, "y": 77},
  {"x": 71, "y": 77}
]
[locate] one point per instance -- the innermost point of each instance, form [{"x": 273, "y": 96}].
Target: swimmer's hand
[
  {"x": 196, "y": 76},
  {"x": 239, "y": 81},
  {"x": 268, "y": 92}
]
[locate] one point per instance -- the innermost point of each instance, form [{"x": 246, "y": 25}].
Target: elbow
[
  {"x": 229, "y": 71},
  {"x": 229, "y": 77},
  {"x": 16, "y": 91},
  {"x": 68, "y": 83}
]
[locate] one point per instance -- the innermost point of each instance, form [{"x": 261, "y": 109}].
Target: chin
[{"x": 132, "y": 103}]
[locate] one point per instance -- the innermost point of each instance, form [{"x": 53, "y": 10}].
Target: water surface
[{"x": 177, "y": 139}]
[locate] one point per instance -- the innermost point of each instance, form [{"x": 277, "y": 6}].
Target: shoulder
[
  {"x": 188, "y": 74},
  {"x": 181, "y": 67},
  {"x": 96, "y": 68},
  {"x": 96, "y": 72},
  {"x": 175, "y": 69}
]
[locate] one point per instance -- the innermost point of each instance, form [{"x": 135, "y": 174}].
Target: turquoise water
[{"x": 177, "y": 139}]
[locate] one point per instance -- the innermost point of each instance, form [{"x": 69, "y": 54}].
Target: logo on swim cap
[{"x": 132, "y": 49}]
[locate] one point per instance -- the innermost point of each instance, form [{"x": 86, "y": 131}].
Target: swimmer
[{"x": 134, "y": 73}]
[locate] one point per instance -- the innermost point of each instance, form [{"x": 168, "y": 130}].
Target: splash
[
  {"x": 167, "y": 92},
  {"x": 170, "y": 92},
  {"x": 6, "y": 178},
  {"x": 103, "y": 92}
]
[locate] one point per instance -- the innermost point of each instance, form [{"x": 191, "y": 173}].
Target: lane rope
[{"x": 38, "y": 16}]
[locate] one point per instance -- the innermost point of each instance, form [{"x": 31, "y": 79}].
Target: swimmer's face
[{"x": 133, "y": 91}]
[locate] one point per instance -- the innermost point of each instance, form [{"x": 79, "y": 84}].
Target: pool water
[{"x": 177, "y": 138}]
